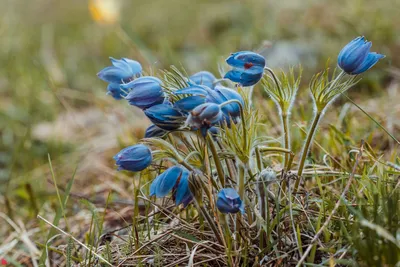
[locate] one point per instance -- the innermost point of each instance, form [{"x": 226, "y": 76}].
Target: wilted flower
[
  {"x": 154, "y": 131},
  {"x": 203, "y": 78},
  {"x": 122, "y": 71},
  {"x": 144, "y": 92},
  {"x": 133, "y": 158},
  {"x": 165, "y": 116},
  {"x": 114, "y": 89},
  {"x": 204, "y": 116},
  {"x": 356, "y": 58},
  {"x": 174, "y": 179},
  {"x": 248, "y": 67},
  {"x": 228, "y": 201}
]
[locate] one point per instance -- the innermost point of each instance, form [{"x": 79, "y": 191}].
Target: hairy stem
[
  {"x": 217, "y": 160},
  {"x": 286, "y": 135},
  {"x": 306, "y": 148}
]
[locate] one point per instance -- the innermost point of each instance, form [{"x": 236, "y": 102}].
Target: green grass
[{"x": 50, "y": 53}]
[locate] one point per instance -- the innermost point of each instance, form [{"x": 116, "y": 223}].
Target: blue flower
[
  {"x": 187, "y": 104},
  {"x": 221, "y": 94},
  {"x": 248, "y": 68},
  {"x": 165, "y": 116},
  {"x": 228, "y": 201},
  {"x": 356, "y": 58},
  {"x": 175, "y": 179},
  {"x": 204, "y": 116},
  {"x": 203, "y": 78},
  {"x": 133, "y": 158},
  {"x": 154, "y": 131},
  {"x": 122, "y": 70},
  {"x": 114, "y": 89},
  {"x": 144, "y": 92}
]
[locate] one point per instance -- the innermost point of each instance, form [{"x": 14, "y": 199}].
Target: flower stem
[
  {"x": 306, "y": 148},
  {"x": 286, "y": 135},
  {"x": 217, "y": 160}
]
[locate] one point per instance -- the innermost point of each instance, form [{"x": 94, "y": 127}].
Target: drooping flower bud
[
  {"x": 356, "y": 58},
  {"x": 145, "y": 92},
  {"x": 133, "y": 158},
  {"x": 229, "y": 201},
  {"x": 122, "y": 70},
  {"x": 165, "y": 116}
]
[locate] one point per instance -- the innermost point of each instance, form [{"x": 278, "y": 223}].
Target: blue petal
[
  {"x": 353, "y": 54},
  {"x": 187, "y": 104},
  {"x": 246, "y": 60},
  {"x": 368, "y": 62},
  {"x": 154, "y": 131},
  {"x": 182, "y": 191},
  {"x": 114, "y": 89},
  {"x": 168, "y": 181},
  {"x": 193, "y": 90},
  {"x": 203, "y": 78},
  {"x": 135, "y": 66},
  {"x": 113, "y": 74}
]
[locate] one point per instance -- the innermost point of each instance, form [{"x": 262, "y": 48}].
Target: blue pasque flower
[
  {"x": 187, "y": 104},
  {"x": 228, "y": 201},
  {"x": 122, "y": 70},
  {"x": 174, "y": 179},
  {"x": 204, "y": 116},
  {"x": 165, "y": 116},
  {"x": 248, "y": 67},
  {"x": 134, "y": 158},
  {"x": 114, "y": 89},
  {"x": 144, "y": 92},
  {"x": 203, "y": 78},
  {"x": 356, "y": 58},
  {"x": 154, "y": 131},
  {"x": 221, "y": 94}
]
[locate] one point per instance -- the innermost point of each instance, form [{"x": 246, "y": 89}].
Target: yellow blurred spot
[{"x": 105, "y": 11}]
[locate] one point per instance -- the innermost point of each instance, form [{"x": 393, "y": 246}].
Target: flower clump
[{"x": 181, "y": 107}]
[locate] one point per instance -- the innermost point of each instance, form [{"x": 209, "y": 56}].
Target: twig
[{"x": 334, "y": 209}]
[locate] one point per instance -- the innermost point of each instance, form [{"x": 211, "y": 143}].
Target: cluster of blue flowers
[{"x": 203, "y": 105}]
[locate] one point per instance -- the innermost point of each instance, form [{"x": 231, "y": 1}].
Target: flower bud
[
  {"x": 145, "y": 92},
  {"x": 133, "y": 158},
  {"x": 122, "y": 70},
  {"x": 165, "y": 116},
  {"x": 228, "y": 201},
  {"x": 356, "y": 58}
]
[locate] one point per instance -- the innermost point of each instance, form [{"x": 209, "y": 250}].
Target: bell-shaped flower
[
  {"x": 175, "y": 180},
  {"x": 222, "y": 94},
  {"x": 115, "y": 90},
  {"x": 203, "y": 78},
  {"x": 165, "y": 116},
  {"x": 248, "y": 67},
  {"x": 133, "y": 158},
  {"x": 204, "y": 116},
  {"x": 154, "y": 131},
  {"x": 144, "y": 92},
  {"x": 356, "y": 58},
  {"x": 228, "y": 201},
  {"x": 122, "y": 71}
]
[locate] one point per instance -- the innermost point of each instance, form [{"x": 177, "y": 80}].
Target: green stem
[
  {"x": 306, "y": 147},
  {"x": 217, "y": 160},
  {"x": 286, "y": 135}
]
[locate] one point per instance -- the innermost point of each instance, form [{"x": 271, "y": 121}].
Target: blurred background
[{"x": 53, "y": 106}]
